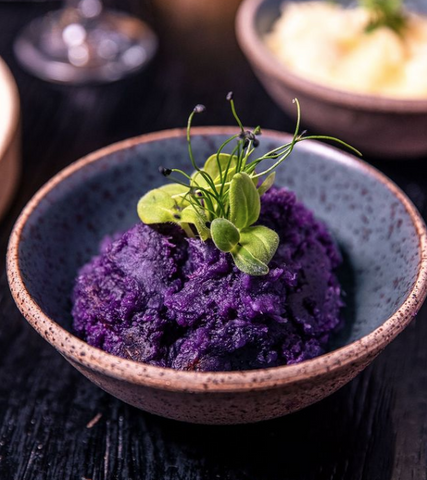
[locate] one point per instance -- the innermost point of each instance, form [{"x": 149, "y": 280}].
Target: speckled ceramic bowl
[
  {"x": 382, "y": 237},
  {"x": 379, "y": 126}
]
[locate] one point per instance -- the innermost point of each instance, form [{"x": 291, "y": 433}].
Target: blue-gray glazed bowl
[{"x": 382, "y": 237}]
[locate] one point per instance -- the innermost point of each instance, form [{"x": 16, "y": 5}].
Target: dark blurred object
[
  {"x": 201, "y": 28},
  {"x": 83, "y": 43}
]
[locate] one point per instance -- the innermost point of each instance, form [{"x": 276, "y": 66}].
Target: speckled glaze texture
[
  {"x": 380, "y": 126},
  {"x": 381, "y": 235}
]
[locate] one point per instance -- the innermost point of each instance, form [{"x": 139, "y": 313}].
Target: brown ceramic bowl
[
  {"x": 9, "y": 137},
  {"x": 378, "y": 126},
  {"x": 386, "y": 258}
]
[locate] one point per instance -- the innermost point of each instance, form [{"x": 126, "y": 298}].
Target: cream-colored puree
[{"x": 327, "y": 43}]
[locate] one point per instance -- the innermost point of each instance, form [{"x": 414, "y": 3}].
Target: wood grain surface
[{"x": 54, "y": 424}]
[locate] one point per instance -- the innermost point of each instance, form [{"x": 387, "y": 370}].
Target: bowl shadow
[{"x": 349, "y": 435}]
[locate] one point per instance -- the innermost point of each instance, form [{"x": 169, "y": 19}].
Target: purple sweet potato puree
[{"x": 154, "y": 296}]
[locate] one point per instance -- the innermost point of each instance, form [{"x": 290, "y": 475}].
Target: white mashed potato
[{"x": 327, "y": 43}]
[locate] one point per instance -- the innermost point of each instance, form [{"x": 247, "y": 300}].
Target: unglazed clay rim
[
  {"x": 267, "y": 62},
  {"x": 237, "y": 381}
]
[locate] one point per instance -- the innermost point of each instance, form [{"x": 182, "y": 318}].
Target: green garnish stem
[
  {"x": 221, "y": 201},
  {"x": 385, "y": 13}
]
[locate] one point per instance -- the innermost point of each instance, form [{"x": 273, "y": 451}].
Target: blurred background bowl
[
  {"x": 9, "y": 137},
  {"x": 381, "y": 235},
  {"x": 378, "y": 126}
]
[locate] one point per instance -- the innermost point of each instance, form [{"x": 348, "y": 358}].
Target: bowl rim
[
  {"x": 87, "y": 357},
  {"x": 265, "y": 60}
]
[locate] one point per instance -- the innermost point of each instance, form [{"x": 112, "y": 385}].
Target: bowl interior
[
  {"x": 373, "y": 228},
  {"x": 269, "y": 11}
]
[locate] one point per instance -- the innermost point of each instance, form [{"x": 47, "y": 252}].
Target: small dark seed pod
[
  {"x": 256, "y": 143},
  {"x": 178, "y": 217},
  {"x": 165, "y": 171}
]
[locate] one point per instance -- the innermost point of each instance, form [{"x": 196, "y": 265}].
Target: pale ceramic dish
[
  {"x": 379, "y": 126},
  {"x": 9, "y": 137},
  {"x": 379, "y": 231}
]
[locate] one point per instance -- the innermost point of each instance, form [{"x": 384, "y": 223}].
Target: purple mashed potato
[{"x": 154, "y": 296}]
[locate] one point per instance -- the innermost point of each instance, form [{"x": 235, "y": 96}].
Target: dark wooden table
[{"x": 55, "y": 424}]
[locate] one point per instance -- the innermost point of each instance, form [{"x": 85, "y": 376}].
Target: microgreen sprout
[
  {"x": 221, "y": 201},
  {"x": 385, "y": 13}
]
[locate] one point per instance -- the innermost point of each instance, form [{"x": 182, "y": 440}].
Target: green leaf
[
  {"x": 175, "y": 189},
  {"x": 256, "y": 248},
  {"x": 211, "y": 164},
  {"x": 157, "y": 206},
  {"x": 197, "y": 180},
  {"x": 224, "y": 234},
  {"x": 385, "y": 13},
  {"x": 212, "y": 169},
  {"x": 247, "y": 263},
  {"x": 198, "y": 219},
  {"x": 244, "y": 200},
  {"x": 267, "y": 184},
  {"x": 385, "y": 5},
  {"x": 260, "y": 241}
]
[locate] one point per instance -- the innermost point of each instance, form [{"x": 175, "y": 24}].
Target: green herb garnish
[
  {"x": 385, "y": 13},
  {"x": 221, "y": 201}
]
